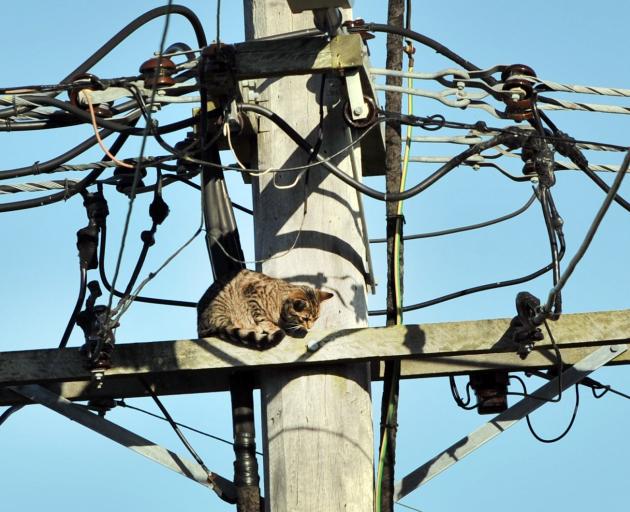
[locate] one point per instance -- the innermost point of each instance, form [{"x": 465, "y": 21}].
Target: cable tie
[
  {"x": 36, "y": 169},
  {"x": 397, "y": 216}
]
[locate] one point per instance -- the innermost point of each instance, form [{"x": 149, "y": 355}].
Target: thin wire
[
  {"x": 461, "y": 229},
  {"x": 126, "y": 301},
  {"x": 588, "y": 382},
  {"x": 173, "y": 424},
  {"x": 263, "y": 260},
  {"x": 310, "y": 165},
  {"x": 124, "y": 404},
  {"x": 571, "y": 421},
  {"x": 132, "y": 193},
  {"x": 407, "y": 506}
]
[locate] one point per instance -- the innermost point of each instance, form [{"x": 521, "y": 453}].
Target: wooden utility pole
[{"x": 318, "y": 437}]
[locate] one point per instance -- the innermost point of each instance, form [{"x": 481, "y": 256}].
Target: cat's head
[{"x": 300, "y": 310}]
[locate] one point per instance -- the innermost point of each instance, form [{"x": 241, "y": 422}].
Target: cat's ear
[
  {"x": 324, "y": 295},
  {"x": 299, "y": 304}
]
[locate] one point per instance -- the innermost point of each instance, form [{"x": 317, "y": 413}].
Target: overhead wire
[
  {"x": 120, "y": 36},
  {"x": 66, "y": 193},
  {"x": 370, "y": 192},
  {"x": 175, "y": 427},
  {"x": 124, "y": 404},
  {"x": 126, "y": 301},
  {"x": 468, "y": 227},
  {"x": 476, "y": 289},
  {"x": 588, "y": 238},
  {"x": 8, "y": 412},
  {"x": 132, "y": 193}
]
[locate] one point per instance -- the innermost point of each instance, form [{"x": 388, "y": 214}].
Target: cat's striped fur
[{"x": 257, "y": 310}]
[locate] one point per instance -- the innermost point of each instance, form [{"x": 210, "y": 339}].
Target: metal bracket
[
  {"x": 224, "y": 488},
  {"x": 505, "y": 420},
  {"x": 358, "y": 108}
]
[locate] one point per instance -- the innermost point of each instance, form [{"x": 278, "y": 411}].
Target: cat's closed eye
[{"x": 299, "y": 305}]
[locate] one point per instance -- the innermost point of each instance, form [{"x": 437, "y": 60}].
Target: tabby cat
[{"x": 255, "y": 309}]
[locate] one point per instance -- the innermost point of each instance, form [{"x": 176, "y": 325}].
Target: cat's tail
[{"x": 248, "y": 337}]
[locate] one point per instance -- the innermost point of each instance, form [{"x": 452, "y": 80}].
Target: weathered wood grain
[
  {"x": 194, "y": 366},
  {"x": 318, "y": 421}
]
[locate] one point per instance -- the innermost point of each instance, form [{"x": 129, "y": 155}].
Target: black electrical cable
[
  {"x": 545, "y": 199},
  {"x": 71, "y": 191},
  {"x": 461, "y": 229},
  {"x": 566, "y": 146},
  {"x": 604, "y": 186},
  {"x": 545, "y": 310},
  {"x": 476, "y": 289},
  {"x": 119, "y": 294},
  {"x": 569, "y": 426},
  {"x": 136, "y": 173},
  {"x": 140, "y": 263},
  {"x": 197, "y": 187},
  {"x": 77, "y": 307},
  {"x": 52, "y": 122},
  {"x": 464, "y": 404},
  {"x": 120, "y": 37},
  {"x": 375, "y": 194},
  {"x": 8, "y": 412},
  {"x": 106, "y": 123},
  {"x": 158, "y": 210},
  {"x": 424, "y": 40},
  {"x": 425, "y": 122},
  {"x": 593, "y": 384},
  {"x": 518, "y": 179},
  {"x": 43, "y": 167}
]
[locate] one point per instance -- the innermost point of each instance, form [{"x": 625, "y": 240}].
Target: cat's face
[{"x": 301, "y": 309}]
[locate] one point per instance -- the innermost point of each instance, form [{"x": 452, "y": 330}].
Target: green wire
[{"x": 398, "y": 298}]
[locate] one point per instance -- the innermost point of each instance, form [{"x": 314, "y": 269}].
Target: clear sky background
[{"x": 48, "y": 462}]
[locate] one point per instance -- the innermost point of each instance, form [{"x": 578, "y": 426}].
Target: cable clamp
[{"x": 396, "y": 216}]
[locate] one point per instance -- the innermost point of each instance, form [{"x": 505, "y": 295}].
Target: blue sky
[{"x": 50, "y": 462}]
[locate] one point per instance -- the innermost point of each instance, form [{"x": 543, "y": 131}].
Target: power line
[
  {"x": 461, "y": 229},
  {"x": 122, "y": 403},
  {"x": 132, "y": 194}
]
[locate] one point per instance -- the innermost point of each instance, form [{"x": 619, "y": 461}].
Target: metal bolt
[
  {"x": 460, "y": 85},
  {"x": 613, "y": 348},
  {"x": 358, "y": 111},
  {"x": 516, "y": 96}
]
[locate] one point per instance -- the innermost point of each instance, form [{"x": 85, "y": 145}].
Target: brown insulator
[
  {"x": 518, "y": 109},
  {"x": 157, "y": 72}
]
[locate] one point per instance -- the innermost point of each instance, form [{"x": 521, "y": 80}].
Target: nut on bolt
[
  {"x": 520, "y": 100},
  {"x": 156, "y": 72}
]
